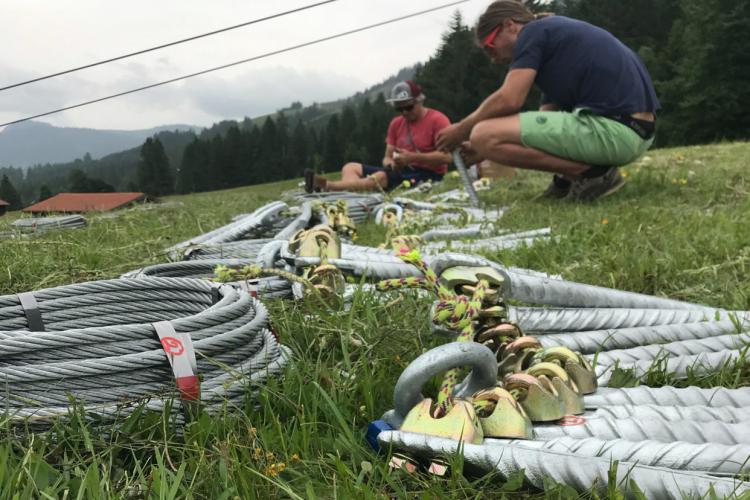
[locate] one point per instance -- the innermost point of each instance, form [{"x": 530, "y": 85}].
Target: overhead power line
[
  {"x": 243, "y": 61},
  {"x": 170, "y": 44}
]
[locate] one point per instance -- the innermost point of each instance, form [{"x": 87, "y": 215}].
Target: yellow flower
[
  {"x": 271, "y": 470},
  {"x": 257, "y": 453},
  {"x": 683, "y": 181},
  {"x": 674, "y": 180},
  {"x": 295, "y": 458},
  {"x": 624, "y": 173},
  {"x": 253, "y": 431},
  {"x": 281, "y": 467},
  {"x": 605, "y": 221},
  {"x": 270, "y": 456}
]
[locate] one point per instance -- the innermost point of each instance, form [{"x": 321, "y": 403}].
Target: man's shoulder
[{"x": 436, "y": 116}]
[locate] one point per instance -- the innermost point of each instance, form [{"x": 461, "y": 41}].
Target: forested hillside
[{"x": 695, "y": 50}]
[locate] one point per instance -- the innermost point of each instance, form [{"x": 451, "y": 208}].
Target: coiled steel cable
[
  {"x": 579, "y": 472},
  {"x": 673, "y": 349},
  {"x": 99, "y": 344},
  {"x": 243, "y": 249}
]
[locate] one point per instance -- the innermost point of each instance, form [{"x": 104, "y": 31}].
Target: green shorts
[{"x": 582, "y": 136}]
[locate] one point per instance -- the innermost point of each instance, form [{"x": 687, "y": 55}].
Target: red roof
[
  {"x": 85, "y": 202},
  {"x": 3, "y": 203}
]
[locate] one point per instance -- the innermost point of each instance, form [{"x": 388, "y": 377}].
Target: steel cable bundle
[
  {"x": 99, "y": 345},
  {"x": 272, "y": 287},
  {"x": 42, "y": 224}
]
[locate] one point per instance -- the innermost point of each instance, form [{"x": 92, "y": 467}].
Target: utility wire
[
  {"x": 236, "y": 63},
  {"x": 131, "y": 54}
]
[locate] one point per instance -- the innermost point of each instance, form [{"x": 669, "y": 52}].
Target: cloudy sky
[{"x": 46, "y": 36}]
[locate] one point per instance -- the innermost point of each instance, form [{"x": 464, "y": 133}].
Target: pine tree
[
  {"x": 8, "y": 193},
  {"x": 154, "y": 176},
  {"x": 44, "y": 192}
]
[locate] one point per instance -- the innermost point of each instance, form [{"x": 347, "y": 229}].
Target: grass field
[{"x": 678, "y": 229}]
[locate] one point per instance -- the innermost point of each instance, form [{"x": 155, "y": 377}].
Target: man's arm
[
  {"x": 431, "y": 158},
  {"x": 507, "y": 100},
  {"x": 550, "y": 106},
  {"x": 388, "y": 156}
]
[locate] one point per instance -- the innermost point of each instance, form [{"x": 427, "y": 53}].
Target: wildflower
[
  {"x": 295, "y": 458},
  {"x": 270, "y": 456},
  {"x": 281, "y": 467},
  {"x": 253, "y": 431},
  {"x": 683, "y": 181},
  {"x": 674, "y": 180},
  {"x": 272, "y": 471},
  {"x": 624, "y": 173},
  {"x": 605, "y": 221},
  {"x": 257, "y": 453}
]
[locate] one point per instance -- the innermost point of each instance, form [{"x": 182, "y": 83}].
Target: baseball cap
[{"x": 405, "y": 91}]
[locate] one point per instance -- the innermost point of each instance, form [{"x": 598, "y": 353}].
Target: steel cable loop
[
  {"x": 242, "y": 249},
  {"x": 535, "y": 289},
  {"x": 263, "y": 217},
  {"x": 536, "y": 319},
  {"x": 589, "y": 342},
  {"x": 649, "y": 429},
  {"x": 707, "y": 458},
  {"x": 677, "y": 366},
  {"x": 673, "y": 349},
  {"x": 726, "y": 414},
  {"x": 125, "y": 360},
  {"x": 579, "y": 472},
  {"x": 714, "y": 397}
]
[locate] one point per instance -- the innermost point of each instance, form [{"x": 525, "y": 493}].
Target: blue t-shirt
[{"x": 582, "y": 66}]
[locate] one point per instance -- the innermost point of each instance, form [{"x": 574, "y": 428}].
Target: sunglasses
[
  {"x": 488, "y": 41},
  {"x": 404, "y": 109}
]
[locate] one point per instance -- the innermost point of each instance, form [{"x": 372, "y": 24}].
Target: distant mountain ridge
[{"x": 37, "y": 143}]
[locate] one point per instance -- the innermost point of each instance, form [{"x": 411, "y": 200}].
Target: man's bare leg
[
  {"x": 353, "y": 179},
  {"x": 499, "y": 140}
]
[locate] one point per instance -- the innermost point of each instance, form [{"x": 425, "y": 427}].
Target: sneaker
[
  {"x": 557, "y": 189},
  {"x": 589, "y": 189}
]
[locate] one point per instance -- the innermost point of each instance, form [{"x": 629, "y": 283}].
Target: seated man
[
  {"x": 410, "y": 152},
  {"x": 599, "y": 104}
]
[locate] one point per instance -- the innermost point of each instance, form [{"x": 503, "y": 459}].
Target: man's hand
[
  {"x": 388, "y": 163},
  {"x": 452, "y": 136},
  {"x": 469, "y": 154},
  {"x": 403, "y": 158}
]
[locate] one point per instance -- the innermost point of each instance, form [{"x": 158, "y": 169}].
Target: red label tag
[
  {"x": 570, "y": 420},
  {"x": 181, "y": 356},
  {"x": 189, "y": 387}
]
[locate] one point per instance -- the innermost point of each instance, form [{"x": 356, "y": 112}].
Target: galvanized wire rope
[
  {"x": 653, "y": 429},
  {"x": 696, "y": 413},
  {"x": 669, "y": 396},
  {"x": 100, "y": 346},
  {"x": 591, "y": 341},
  {"x": 579, "y": 472},
  {"x": 707, "y": 458},
  {"x": 678, "y": 348}
]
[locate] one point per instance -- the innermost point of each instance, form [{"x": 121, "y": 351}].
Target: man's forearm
[
  {"x": 496, "y": 105},
  {"x": 432, "y": 158}
]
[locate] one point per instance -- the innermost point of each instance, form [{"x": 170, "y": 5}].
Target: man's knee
[
  {"x": 492, "y": 134},
  {"x": 353, "y": 168},
  {"x": 381, "y": 178}
]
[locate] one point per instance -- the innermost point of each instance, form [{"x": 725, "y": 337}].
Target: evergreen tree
[
  {"x": 333, "y": 156},
  {"x": 44, "y": 192},
  {"x": 8, "y": 193},
  {"x": 706, "y": 98},
  {"x": 154, "y": 176}
]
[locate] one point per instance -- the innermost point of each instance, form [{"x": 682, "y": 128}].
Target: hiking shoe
[
  {"x": 589, "y": 189},
  {"x": 557, "y": 189},
  {"x": 309, "y": 180}
]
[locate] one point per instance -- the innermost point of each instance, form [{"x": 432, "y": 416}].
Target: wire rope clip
[
  {"x": 566, "y": 389},
  {"x": 310, "y": 243},
  {"x": 538, "y": 397},
  {"x": 178, "y": 346},
  {"x": 501, "y": 416},
  {"x": 516, "y": 356},
  {"x": 577, "y": 367},
  {"x": 459, "y": 423},
  {"x": 457, "y": 277}
]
